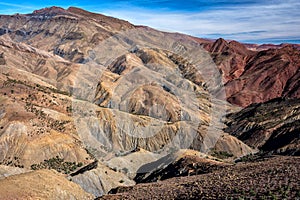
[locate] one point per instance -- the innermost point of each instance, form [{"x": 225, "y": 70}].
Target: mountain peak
[
  {"x": 50, "y": 10},
  {"x": 219, "y": 45}
]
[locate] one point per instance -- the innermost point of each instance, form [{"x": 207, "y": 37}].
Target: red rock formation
[
  {"x": 230, "y": 57},
  {"x": 256, "y": 76},
  {"x": 267, "y": 75}
]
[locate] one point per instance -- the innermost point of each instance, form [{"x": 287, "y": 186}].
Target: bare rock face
[
  {"x": 101, "y": 180},
  {"x": 230, "y": 57},
  {"x": 74, "y": 33},
  {"x": 157, "y": 102},
  {"x": 272, "y": 126},
  {"x": 45, "y": 122}
]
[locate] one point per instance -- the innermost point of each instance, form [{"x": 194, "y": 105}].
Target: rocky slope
[
  {"x": 272, "y": 126},
  {"x": 35, "y": 122},
  {"x": 63, "y": 110},
  {"x": 6, "y": 171},
  {"x": 230, "y": 57},
  {"x": 269, "y": 74},
  {"x": 256, "y": 76},
  {"x": 181, "y": 163}
]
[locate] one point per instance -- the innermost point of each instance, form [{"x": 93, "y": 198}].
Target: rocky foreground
[{"x": 266, "y": 178}]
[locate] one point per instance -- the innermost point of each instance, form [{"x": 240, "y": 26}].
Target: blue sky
[{"x": 256, "y": 21}]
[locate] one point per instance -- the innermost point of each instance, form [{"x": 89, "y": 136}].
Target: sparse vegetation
[
  {"x": 222, "y": 154},
  {"x": 69, "y": 109},
  {"x": 44, "y": 89},
  {"x": 57, "y": 164},
  {"x": 14, "y": 162}
]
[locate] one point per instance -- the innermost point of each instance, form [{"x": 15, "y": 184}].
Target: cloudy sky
[{"x": 256, "y": 21}]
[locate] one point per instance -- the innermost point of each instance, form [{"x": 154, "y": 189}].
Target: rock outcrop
[
  {"x": 101, "y": 180},
  {"x": 181, "y": 163}
]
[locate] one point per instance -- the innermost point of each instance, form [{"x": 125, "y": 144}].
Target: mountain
[
  {"x": 261, "y": 47},
  {"x": 256, "y": 76},
  {"x": 269, "y": 74},
  {"x": 68, "y": 33},
  {"x": 108, "y": 104},
  {"x": 74, "y": 34}
]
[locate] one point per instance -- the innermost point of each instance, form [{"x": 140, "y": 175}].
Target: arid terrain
[
  {"x": 271, "y": 178},
  {"x": 95, "y": 107}
]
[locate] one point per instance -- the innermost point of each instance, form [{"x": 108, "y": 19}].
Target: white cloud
[{"x": 256, "y": 22}]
